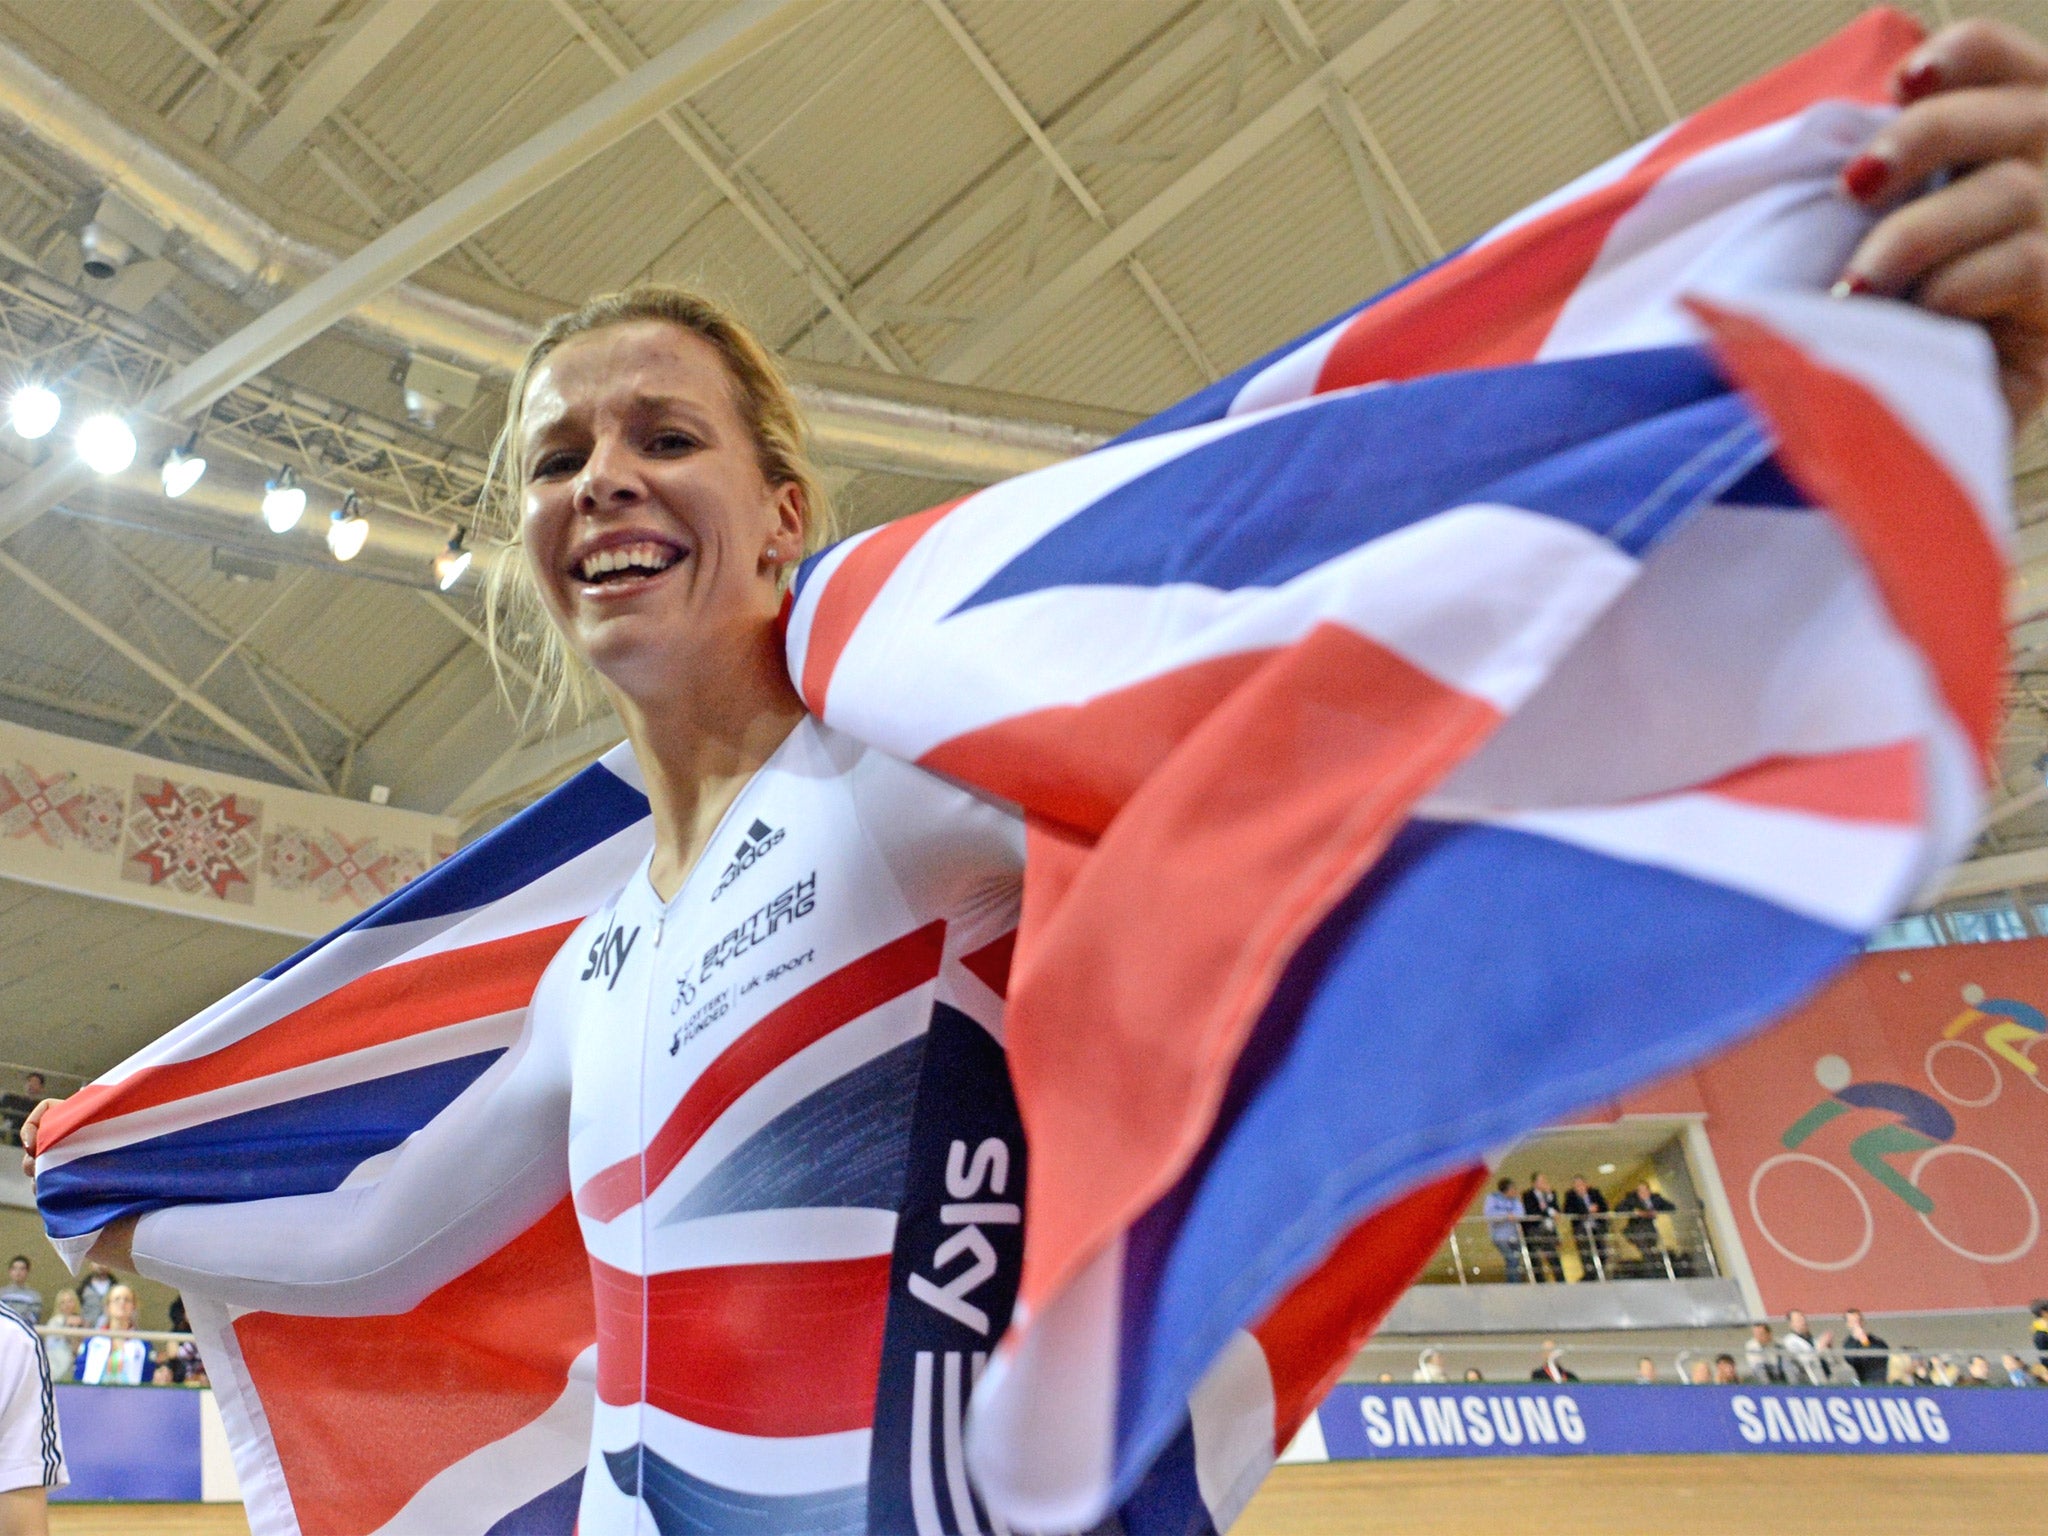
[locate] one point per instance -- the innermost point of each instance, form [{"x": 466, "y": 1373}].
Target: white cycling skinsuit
[{"x": 780, "y": 1104}]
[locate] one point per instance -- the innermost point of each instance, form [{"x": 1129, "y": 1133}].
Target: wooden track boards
[
  {"x": 1589, "y": 1496},
  {"x": 1658, "y": 1496}
]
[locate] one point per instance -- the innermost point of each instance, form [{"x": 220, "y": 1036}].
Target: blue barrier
[
  {"x": 1362, "y": 1423},
  {"x": 136, "y": 1443}
]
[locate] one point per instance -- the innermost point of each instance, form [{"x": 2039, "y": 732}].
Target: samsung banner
[{"x": 1361, "y": 1422}]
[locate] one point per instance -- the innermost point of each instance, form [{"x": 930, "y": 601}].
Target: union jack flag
[{"x": 1530, "y": 682}]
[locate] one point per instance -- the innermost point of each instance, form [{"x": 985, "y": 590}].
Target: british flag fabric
[{"x": 1530, "y": 682}]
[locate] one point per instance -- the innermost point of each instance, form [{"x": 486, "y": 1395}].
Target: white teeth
[{"x": 645, "y": 556}]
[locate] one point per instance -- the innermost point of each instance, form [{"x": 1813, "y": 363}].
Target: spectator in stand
[
  {"x": 1473, "y": 1373},
  {"x": 1642, "y": 1205},
  {"x": 2041, "y": 1332},
  {"x": 1539, "y": 1229},
  {"x": 1553, "y": 1367},
  {"x": 1944, "y": 1372},
  {"x": 109, "y": 1359},
  {"x": 1587, "y": 1208},
  {"x": 1646, "y": 1372},
  {"x": 1803, "y": 1354},
  {"x": 1386, "y": 1377},
  {"x": 93, "y": 1293},
  {"x": 1699, "y": 1374},
  {"x": 183, "y": 1356},
  {"x": 1898, "y": 1371},
  {"x": 1504, "y": 1225},
  {"x": 1724, "y": 1372},
  {"x": 1864, "y": 1350},
  {"x": 1430, "y": 1368},
  {"x": 2016, "y": 1372},
  {"x": 63, "y": 1351},
  {"x": 1765, "y": 1360},
  {"x": 1979, "y": 1374},
  {"x": 19, "y": 1297},
  {"x": 32, "y": 1087}
]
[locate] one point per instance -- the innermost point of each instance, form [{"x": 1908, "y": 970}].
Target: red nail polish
[
  {"x": 1865, "y": 176},
  {"x": 1923, "y": 79},
  {"x": 1852, "y": 285}
]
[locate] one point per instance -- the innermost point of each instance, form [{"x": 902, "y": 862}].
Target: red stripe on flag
[
  {"x": 1232, "y": 853},
  {"x": 991, "y": 963},
  {"x": 1878, "y": 784},
  {"x": 1918, "y": 531},
  {"x": 1313, "y": 1331},
  {"x": 751, "y": 1349},
  {"x": 395, "y": 1002},
  {"x": 852, "y": 990},
  {"x": 1496, "y": 305},
  {"x": 365, "y": 1410},
  {"x": 850, "y": 589},
  {"x": 1077, "y": 764}
]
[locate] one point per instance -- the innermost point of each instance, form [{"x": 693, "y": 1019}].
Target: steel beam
[
  {"x": 1590, "y": 46},
  {"x": 341, "y": 67},
  {"x": 1020, "y": 114},
  {"x": 980, "y": 351},
  {"x": 1997, "y": 872},
  {"x": 1648, "y": 65},
  {"x": 528, "y": 768},
  {"x": 492, "y": 192},
  {"x": 764, "y": 215},
  {"x": 135, "y": 656}
]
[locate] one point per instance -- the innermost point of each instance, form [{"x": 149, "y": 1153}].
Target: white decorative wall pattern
[{"x": 99, "y": 821}]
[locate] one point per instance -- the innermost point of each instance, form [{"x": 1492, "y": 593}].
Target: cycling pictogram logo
[
  {"x": 2006, "y": 1031},
  {"x": 1915, "y": 1124}
]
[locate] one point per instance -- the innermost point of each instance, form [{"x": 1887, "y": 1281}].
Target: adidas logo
[{"x": 753, "y": 848}]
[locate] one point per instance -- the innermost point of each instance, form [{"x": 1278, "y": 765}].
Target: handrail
[{"x": 1605, "y": 1245}]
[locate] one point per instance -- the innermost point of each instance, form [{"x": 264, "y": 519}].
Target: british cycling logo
[
  {"x": 760, "y": 837},
  {"x": 778, "y": 912},
  {"x": 1919, "y": 1126}
]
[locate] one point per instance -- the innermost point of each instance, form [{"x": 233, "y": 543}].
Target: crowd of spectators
[
  {"x": 90, "y": 1337},
  {"x": 1529, "y": 1228},
  {"x": 1798, "y": 1357}
]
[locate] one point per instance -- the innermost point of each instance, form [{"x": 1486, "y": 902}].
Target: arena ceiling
[{"x": 983, "y": 232}]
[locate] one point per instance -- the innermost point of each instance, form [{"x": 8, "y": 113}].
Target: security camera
[
  {"x": 432, "y": 387},
  {"x": 106, "y": 253},
  {"x": 118, "y": 235}
]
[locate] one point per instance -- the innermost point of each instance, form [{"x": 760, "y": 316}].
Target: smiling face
[{"x": 652, "y": 535}]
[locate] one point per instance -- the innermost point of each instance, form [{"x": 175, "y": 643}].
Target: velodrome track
[{"x": 1604, "y": 1496}]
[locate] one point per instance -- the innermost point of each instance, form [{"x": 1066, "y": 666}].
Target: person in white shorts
[{"x": 31, "y": 1449}]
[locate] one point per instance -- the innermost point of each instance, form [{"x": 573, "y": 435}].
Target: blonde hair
[{"x": 515, "y": 620}]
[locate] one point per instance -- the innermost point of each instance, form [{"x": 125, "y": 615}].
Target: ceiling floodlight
[
  {"x": 182, "y": 468},
  {"x": 106, "y": 443},
  {"x": 34, "y": 410},
  {"x": 347, "y": 530},
  {"x": 451, "y": 562},
  {"x": 283, "y": 502}
]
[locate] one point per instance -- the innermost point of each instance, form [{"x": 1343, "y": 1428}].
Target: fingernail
[
  {"x": 1917, "y": 80},
  {"x": 1852, "y": 285},
  {"x": 1865, "y": 176}
]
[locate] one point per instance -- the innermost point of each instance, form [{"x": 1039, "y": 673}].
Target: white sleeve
[
  {"x": 479, "y": 1173},
  {"x": 31, "y": 1450}
]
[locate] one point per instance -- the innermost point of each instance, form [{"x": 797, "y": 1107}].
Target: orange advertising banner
[{"x": 1886, "y": 1147}]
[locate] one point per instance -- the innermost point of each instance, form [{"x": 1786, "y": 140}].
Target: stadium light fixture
[
  {"x": 106, "y": 443},
  {"x": 182, "y": 468},
  {"x": 347, "y": 529},
  {"x": 451, "y": 562},
  {"x": 33, "y": 411},
  {"x": 284, "y": 503}
]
